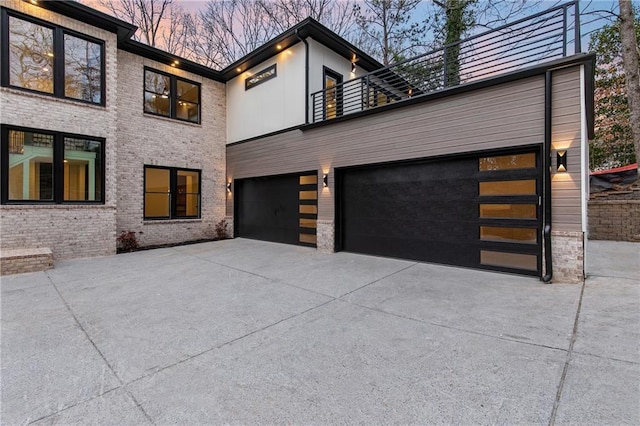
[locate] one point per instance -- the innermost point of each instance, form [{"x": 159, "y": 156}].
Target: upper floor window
[
  {"x": 171, "y": 96},
  {"x": 45, "y": 58},
  {"x": 51, "y": 167}
]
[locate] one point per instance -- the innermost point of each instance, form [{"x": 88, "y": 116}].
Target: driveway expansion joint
[
  {"x": 229, "y": 342},
  {"x": 462, "y": 330},
  {"x": 563, "y": 377},
  {"x": 271, "y": 280},
  {"x": 77, "y": 403},
  {"x": 378, "y": 280},
  {"x": 107, "y": 363}
]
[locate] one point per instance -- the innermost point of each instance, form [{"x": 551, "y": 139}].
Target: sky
[{"x": 592, "y": 16}]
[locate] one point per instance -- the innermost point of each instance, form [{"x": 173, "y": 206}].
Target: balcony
[{"x": 536, "y": 39}]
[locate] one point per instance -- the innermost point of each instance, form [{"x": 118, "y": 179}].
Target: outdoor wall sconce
[
  {"x": 353, "y": 67},
  {"x": 325, "y": 180},
  {"x": 229, "y": 187},
  {"x": 561, "y": 161}
]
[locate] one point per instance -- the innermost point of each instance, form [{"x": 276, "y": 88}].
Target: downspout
[
  {"x": 546, "y": 168},
  {"x": 306, "y": 77}
]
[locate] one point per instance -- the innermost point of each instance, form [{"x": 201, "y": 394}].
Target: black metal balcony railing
[{"x": 538, "y": 38}]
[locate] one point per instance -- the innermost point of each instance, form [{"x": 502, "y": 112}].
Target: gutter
[
  {"x": 546, "y": 177},
  {"x": 306, "y": 76}
]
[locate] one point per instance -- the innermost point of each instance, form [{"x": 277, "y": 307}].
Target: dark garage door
[
  {"x": 280, "y": 208},
  {"x": 478, "y": 212}
]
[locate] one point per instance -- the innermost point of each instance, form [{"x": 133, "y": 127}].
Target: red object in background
[{"x": 633, "y": 166}]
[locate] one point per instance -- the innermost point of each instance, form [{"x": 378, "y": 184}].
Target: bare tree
[
  {"x": 337, "y": 15},
  {"x": 147, "y": 15},
  {"x": 173, "y": 38},
  {"x": 227, "y": 30},
  {"x": 386, "y": 28},
  {"x": 631, "y": 64}
]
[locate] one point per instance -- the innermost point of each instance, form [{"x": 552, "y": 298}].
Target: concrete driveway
[{"x": 248, "y": 332}]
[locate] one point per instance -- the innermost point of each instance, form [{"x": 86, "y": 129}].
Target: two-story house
[{"x": 478, "y": 160}]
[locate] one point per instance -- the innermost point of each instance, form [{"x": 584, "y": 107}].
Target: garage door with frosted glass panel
[
  {"x": 281, "y": 208},
  {"x": 476, "y": 211}
]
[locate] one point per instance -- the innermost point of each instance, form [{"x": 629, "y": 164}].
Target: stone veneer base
[
  {"x": 568, "y": 257},
  {"x": 325, "y": 233}
]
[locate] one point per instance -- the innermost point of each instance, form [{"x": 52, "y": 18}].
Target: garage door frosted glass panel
[
  {"x": 308, "y": 238},
  {"x": 515, "y": 235},
  {"x": 515, "y": 211},
  {"x": 508, "y": 187},
  {"x": 156, "y": 198},
  {"x": 308, "y": 223},
  {"x": 308, "y": 209},
  {"x": 309, "y": 180},
  {"x": 508, "y": 162},
  {"x": 509, "y": 260},
  {"x": 308, "y": 195}
]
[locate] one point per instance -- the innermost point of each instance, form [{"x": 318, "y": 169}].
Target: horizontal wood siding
[
  {"x": 506, "y": 115},
  {"x": 565, "y": 135}
]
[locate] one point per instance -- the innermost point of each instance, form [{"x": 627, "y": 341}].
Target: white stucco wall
[
  {"x": 321, "y": 56},
  {"x": 273, "y": 105}
]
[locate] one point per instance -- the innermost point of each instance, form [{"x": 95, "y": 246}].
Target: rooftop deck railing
[{"x": 551, "y": 34}]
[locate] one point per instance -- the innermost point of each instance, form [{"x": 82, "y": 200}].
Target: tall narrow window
[
  {"x": 157, "y": 193},
  {"x": 31, "y": 55},
  {"x": 30, "y": 166},
  {"x": 170, "y": 96},
  {"x": 187, "y": 193},
  {"x": 171, "y": 193},
  {"x": 82, "y": 169},
  {"x": 332, "y": 94},
  {"x": 157, "y": 92},
  {"x": 188, "y": 101},
  {"x": 45, "y": 58},
  {"x": 42, "y": 166},
  {"x": 82, "y": 69}
]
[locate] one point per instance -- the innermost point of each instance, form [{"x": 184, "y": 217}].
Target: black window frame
[
  {"x": 173, "y": 183},
  {"x": 58, "y": 166},
  {"x": 260, "y": 76},
  {"x": 173, "y": 95},
  {"x": 328, "y": 72},
  {"x": 58, "y": 59}
]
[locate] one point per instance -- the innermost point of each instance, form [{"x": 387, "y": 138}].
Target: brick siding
[
  {"x": 132, "y": 139},
  {"x": 145, "y": 139},
  {"x": 70, "y": 231}
]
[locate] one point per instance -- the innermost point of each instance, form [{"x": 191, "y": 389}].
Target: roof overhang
[
  {"x": 80, "y": 12},
  {"x": 158, "y": 55},
  {"x": 309, "y": 28}
]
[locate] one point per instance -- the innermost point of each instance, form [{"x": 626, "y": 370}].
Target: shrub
[
  {"x": 221, "y": 230},
  {"x": 127, "y": 241}
]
